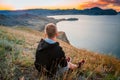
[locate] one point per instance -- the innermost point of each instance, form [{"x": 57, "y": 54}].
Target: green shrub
[
  {"x": 9, "y": 53},
  {"x": 110, "y": 77}
]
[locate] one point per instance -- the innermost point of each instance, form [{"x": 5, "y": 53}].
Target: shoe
[
  {"x": 68, "y": 59},
  {"x": 81, "y": 63}
]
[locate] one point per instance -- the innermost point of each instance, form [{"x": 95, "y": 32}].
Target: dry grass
[{"x": 97, "y": 65}]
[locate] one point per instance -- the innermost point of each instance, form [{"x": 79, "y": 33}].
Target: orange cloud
[
  {"x": 114, "y": 4},
  {"x": 117, "y": 8},
  {"x": 6, "y": 7}
]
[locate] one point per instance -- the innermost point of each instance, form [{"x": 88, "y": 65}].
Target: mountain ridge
[{"x": 45, "y": 12}]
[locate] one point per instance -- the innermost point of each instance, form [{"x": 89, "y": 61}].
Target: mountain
[
  {"x": 118, "y": 12},
  {"x": 99, "y": 11},
  {"x": 46, "y": 12}
]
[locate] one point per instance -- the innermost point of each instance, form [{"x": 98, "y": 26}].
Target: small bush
[
  {"x": 110, "y": 77},
  {"x": 9, "y": 53}
]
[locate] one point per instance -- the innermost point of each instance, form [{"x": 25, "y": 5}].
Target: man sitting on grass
[{"x": 50, "y": 59}]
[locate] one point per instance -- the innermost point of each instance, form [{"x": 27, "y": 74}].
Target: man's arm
[{"x": 63, "y": 61}]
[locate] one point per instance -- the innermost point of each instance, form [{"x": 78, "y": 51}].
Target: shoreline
[
  {"x": 34, "y": 22},
  {"x": 101, "y": 47}
]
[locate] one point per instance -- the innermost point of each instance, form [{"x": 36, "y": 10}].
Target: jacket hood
[{"x": 45, "y": 45}]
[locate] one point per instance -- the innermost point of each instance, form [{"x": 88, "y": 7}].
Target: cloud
[{"x": 114, "y": 4}]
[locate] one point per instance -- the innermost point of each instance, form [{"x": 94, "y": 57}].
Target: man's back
[{"x": 49, "y": 56}]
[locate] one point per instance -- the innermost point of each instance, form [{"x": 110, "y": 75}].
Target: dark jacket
[{"x": 48, "y": 57}]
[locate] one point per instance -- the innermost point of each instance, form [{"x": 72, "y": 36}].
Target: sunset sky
[{"x": 58, "y": 4}]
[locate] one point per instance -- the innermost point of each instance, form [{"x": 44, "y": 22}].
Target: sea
[{"x": 100, "y": 34}]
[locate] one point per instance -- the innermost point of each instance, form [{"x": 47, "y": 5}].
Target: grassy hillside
[{"x": 17, "y": 51}]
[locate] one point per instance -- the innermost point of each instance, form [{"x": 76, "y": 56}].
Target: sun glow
[
  {"x": 61, "y": 4},
  {"x": 6, "y": 7}
]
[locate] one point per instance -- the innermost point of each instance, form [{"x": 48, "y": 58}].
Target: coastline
[{"x": 35, "y": 22}]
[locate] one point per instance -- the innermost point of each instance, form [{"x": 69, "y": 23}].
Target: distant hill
[
  {"x": 36, "y": 18},
  {"x": 99, "y": 11},
  {"x": 25, "y": 19},
  {"x": 118, "y": 12},
  {"x": 45, "y": 12}
]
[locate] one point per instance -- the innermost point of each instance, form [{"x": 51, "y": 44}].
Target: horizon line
[{"x": 52, "y": 9}]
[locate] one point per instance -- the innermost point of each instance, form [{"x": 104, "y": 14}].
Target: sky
[{"x": 58, "y": 4}]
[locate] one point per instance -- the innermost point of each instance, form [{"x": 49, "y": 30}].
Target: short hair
[{"x": 51, "y": 30}]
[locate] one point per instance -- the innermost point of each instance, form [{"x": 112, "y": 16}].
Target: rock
[
  {"x": 72, "y": 19},
  {"x": 62, "y": 36}
]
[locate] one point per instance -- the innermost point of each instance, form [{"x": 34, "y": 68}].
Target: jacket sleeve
[{"x": 63, "y": 61}]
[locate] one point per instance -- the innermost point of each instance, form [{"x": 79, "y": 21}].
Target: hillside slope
[
  {"x": 36, "y": 22},
  {"x": 17, "y": 54}
]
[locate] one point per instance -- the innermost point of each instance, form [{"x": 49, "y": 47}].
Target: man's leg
[{"x": 72, "y": 66}]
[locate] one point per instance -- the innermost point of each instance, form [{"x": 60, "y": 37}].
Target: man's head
[{"x": 51, "y": 30}]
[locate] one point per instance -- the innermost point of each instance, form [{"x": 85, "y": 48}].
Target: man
[{"x": 50, "y": 58}]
